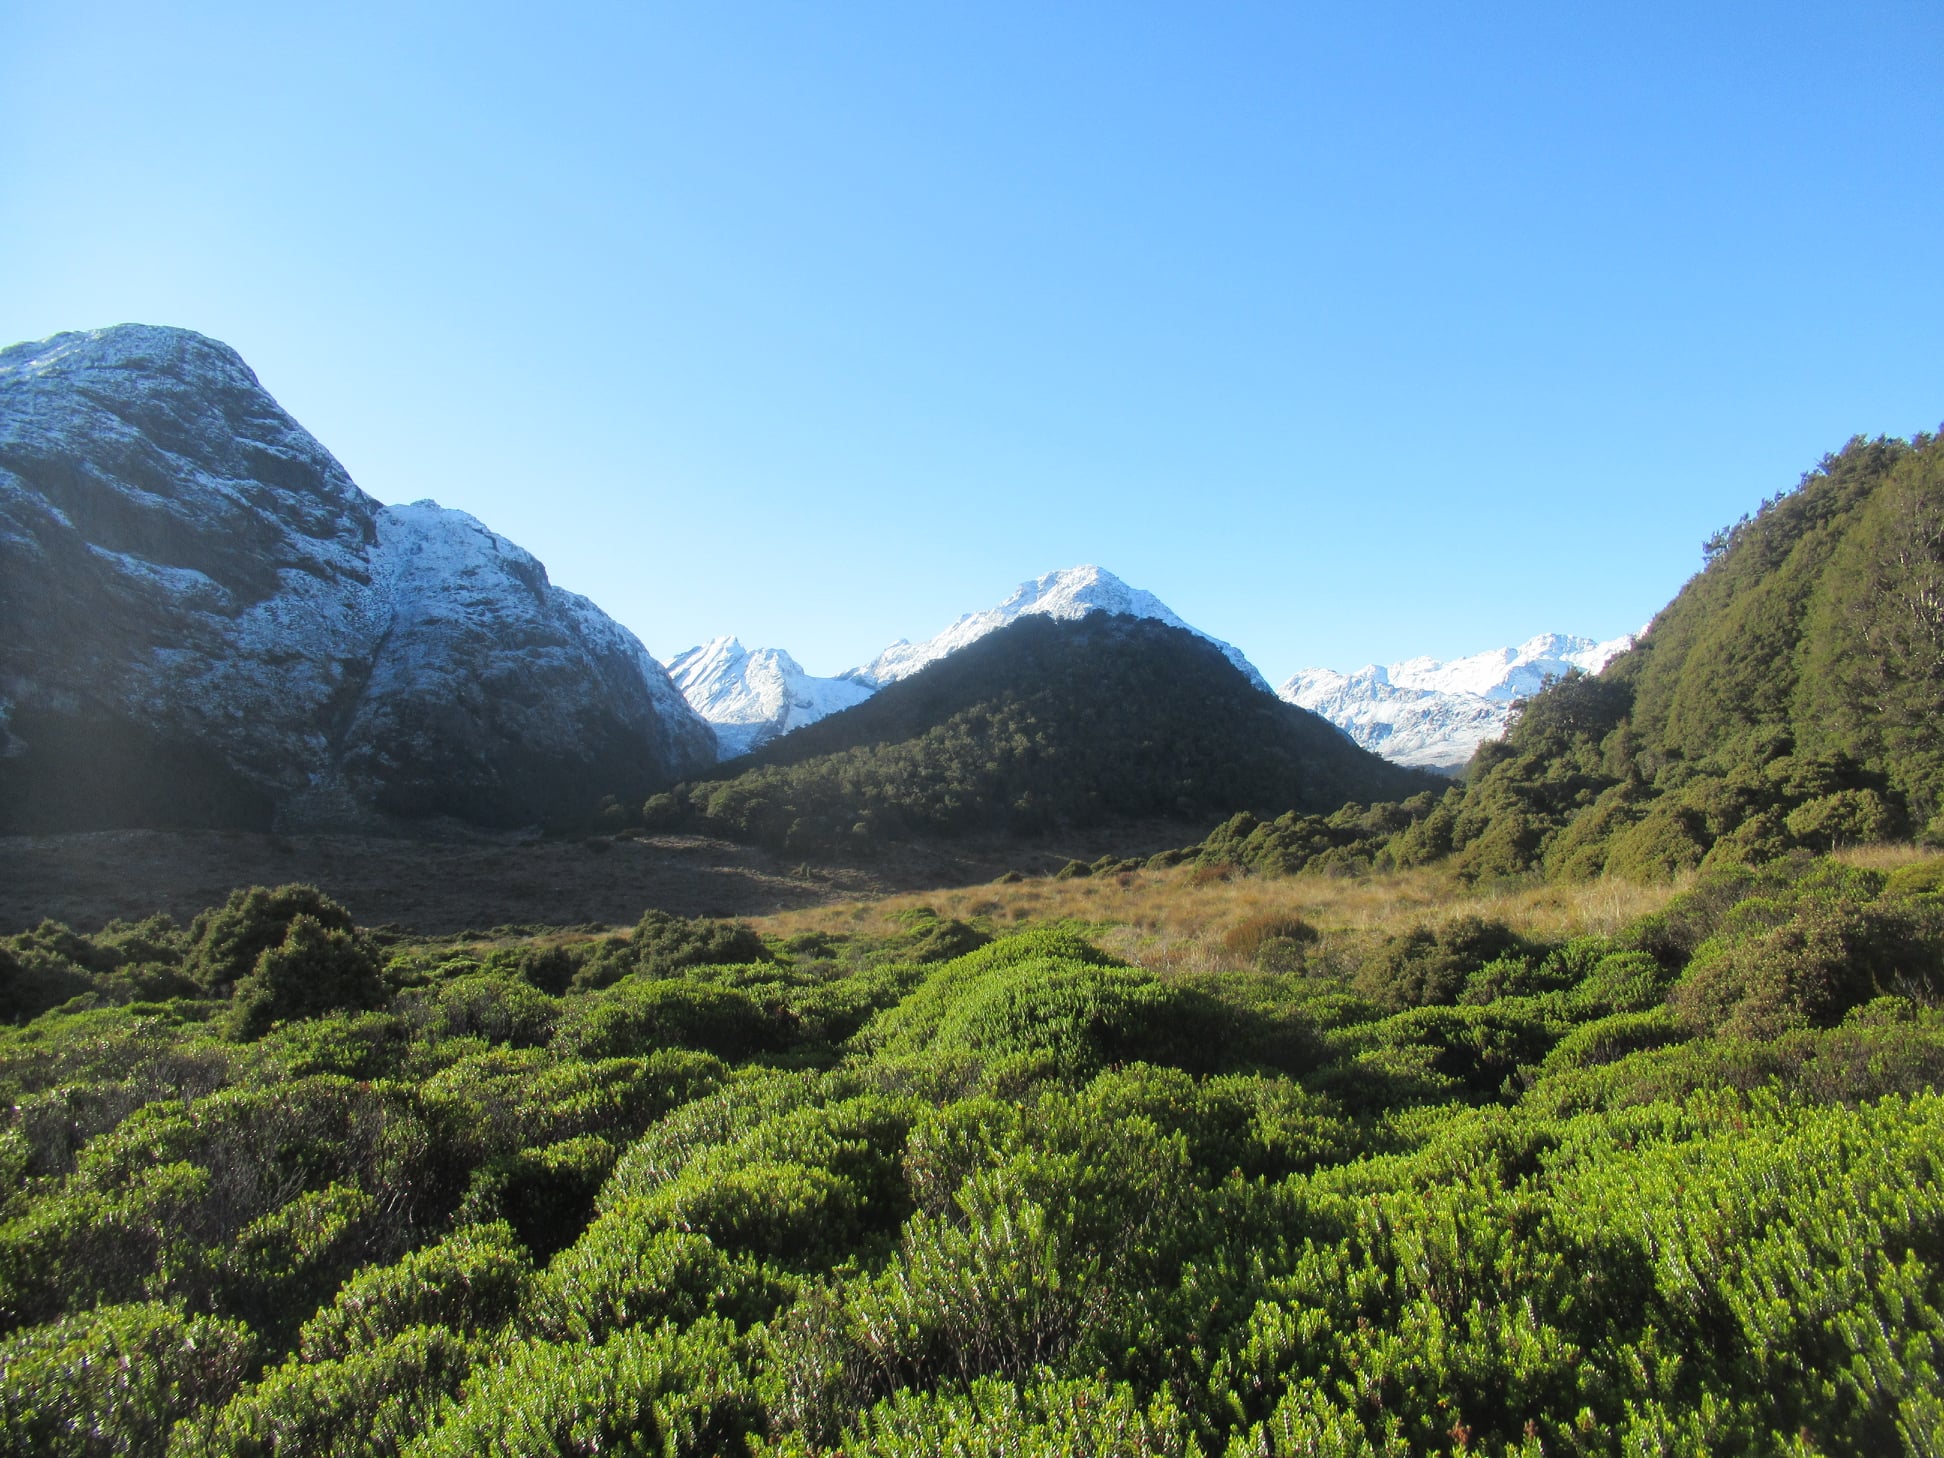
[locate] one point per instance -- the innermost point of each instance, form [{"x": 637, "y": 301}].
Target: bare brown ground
[{"x": 468, "y": 880}]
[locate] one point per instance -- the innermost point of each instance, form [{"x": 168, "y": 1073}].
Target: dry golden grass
[
  {"x": 1885, "y": 857},
  {"x": 1176, "y": 920}
]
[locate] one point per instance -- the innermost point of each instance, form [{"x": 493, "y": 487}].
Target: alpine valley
[{"x": 1043, "y": 1039}]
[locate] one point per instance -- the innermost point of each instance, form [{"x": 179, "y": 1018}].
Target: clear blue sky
[{"x": 1351, "y": 331}]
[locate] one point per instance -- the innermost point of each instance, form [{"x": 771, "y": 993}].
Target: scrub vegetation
[{"x": 1153, "y": 1162}]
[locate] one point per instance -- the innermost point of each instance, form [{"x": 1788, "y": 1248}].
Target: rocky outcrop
[{"x": 203, "y": 621}]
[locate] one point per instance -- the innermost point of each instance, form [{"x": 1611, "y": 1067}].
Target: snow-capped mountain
[
  {"x": 1070, "y": 593},
  {"x": 208, "y": 622},
  {"x": 750, "y": 696},
  {"x": 1433, "y": 714}
]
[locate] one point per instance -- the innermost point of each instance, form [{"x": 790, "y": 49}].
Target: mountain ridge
[
  {"x": 196, "y": 582},
  {"x": 1432, "y": 713}
]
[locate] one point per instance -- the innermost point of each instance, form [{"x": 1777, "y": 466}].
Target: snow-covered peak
[
  {"x": 750, "y": 696},
  {"x": 1070, "y": 593},
  {"x": 155, "y": 349},
  {"x": 1433, "y": 713},
  {"x": 1505, "y": 674},
  {"x": 182, "y": 564}
]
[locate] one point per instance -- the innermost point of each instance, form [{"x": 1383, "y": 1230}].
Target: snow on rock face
[
  {"x": 189, "y": 579},
  {"x": 1433, "y": 714},
  {"x": 750, "y": 696},
  {"x": 1071, "y": 593}
]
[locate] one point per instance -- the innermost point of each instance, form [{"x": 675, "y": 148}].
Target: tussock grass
[
  {"x": 1188, "y": 920},
  {"x": 1884, "y": 857}
]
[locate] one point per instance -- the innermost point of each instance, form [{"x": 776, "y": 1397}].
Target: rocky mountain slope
[
  {"x": 749, "y": 696},
  {"x": 208, "y": 623},
  {"x": 1433, "y": 714},
  {"x": 752, "y": 696}
]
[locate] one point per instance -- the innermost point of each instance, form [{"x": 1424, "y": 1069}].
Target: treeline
[
  {"x": 1043, "y": 725},
  {"x": 1447, "y": 1188}
]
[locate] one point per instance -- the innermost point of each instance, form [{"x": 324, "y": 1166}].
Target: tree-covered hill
[
  {"x": 1790, "y": 699},
  {"x": 1819, "y": 621},
  {"x": 1040, "y": 725}
]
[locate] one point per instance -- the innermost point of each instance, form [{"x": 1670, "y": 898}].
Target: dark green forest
[
  {"x": 1042, "y": 725},
  {"x": 1407, "y": 1179}
]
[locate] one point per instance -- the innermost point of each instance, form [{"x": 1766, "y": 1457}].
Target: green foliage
[
  {"x": 470, "y": 1282},
  {"x": 1432, "y": 964},
  {"x": 314, "y": 970},
  {"x": 640, "y": 1015},
  {"x": 1053, "y": 997},
  {"x": 1450, "y": 1190},
  {"x": 114, "y": 1380},
  {"x": 648, "y": 1390},
  {"x": 226, "y": 943},
  {"x": 368, "y": 1403}
]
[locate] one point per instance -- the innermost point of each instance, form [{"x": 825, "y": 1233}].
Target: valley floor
[{"x": 474, "y": 880}]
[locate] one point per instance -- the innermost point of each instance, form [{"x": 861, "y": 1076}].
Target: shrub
[
  {"x": 1828, "y": 957},
  {"x": 680, "y": 1394},
  {"x": 113, "y": 1381},
  {"x": 225, "y": 943},
  {"x": 617, "y": 1275},
  {"x": 469, "y": 1282},
  {"x": 315, "y": 970},
  {"x": 366, "y": 1404},
  {"x": 490, "y": 1005},
  {"x": 1427, "y": 966},
  {"x": 640, "y": 1016}
]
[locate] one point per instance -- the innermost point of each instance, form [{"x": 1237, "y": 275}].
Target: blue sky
[{"x": 1351, "y": 331}]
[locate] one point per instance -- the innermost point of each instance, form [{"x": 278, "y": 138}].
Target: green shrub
[
  {"x": 672, "y": 1393},
  {"x": 113, "y": 1381},
  {"x": 640, "y": 1015},
  {"x": 368, "y": 1403},
  {"x": 226, "y": 942},
  {"x": 1070, "y": 1419},
  {"x": 1623, "y": 982},
  {"x": 494, "y": 1006},
  {"x": 1610, "y": 1038},
  {"x": 545, "y": 1193},
  {"x": 315, "y": 970},
  {"x": 1428, "y": 965},
  {"x": 470, "y": 1282},
  {"x": 617, "y": 1276},
  {"x": 1828, "y": 957}
]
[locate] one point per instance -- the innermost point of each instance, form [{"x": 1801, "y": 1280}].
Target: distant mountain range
[
  {"x": 1434, "y": 714},
  {"x": 1422, "y": 712},
  {"x": 751, "y": 696},
  {"x": 1045, "y": 723}
]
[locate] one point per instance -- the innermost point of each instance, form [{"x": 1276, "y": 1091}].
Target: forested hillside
[
  {"x": 1787, "y": 701},
  {"x": 1037, "y": 725},
  {"x": 1356, "y": 1186}
]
